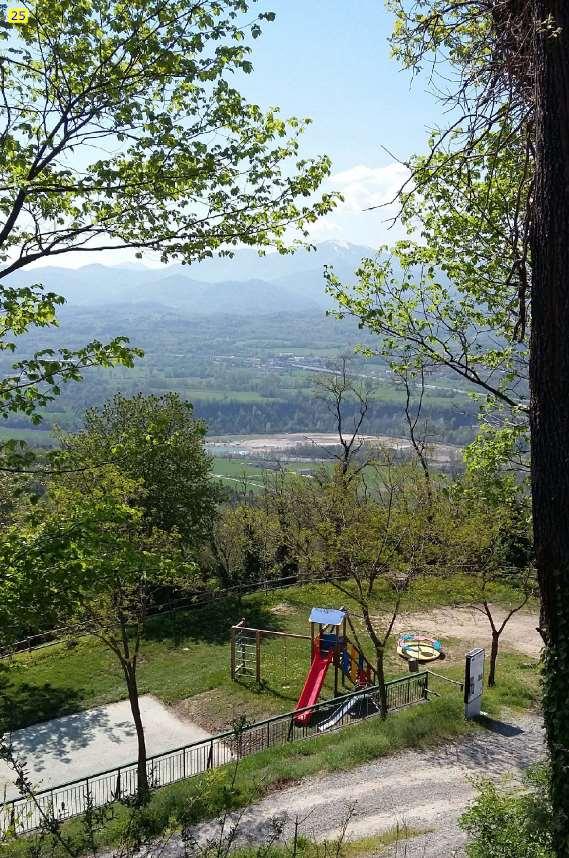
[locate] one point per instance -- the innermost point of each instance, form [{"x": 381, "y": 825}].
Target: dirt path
[
  {"x": 426, "y": 790},
  {"x": 470, "y": 625}
]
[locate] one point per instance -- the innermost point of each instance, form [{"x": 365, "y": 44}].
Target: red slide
[{"x": 313, "y": 684}]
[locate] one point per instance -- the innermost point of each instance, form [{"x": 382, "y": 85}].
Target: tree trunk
[
  {"x": 493, "y": 659},
  {"x": 381, "y": 682},
  {"x": 549, "y": 382},
  {"x": 143, "y": 786}
]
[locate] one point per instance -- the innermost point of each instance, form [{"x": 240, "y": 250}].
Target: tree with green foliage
[
  {"x": 441, "y": 300},
  {"x": 367, "y": 533},
  {"x": 184, "y": 165},
  {"x": 157, "y": 442},
  {"x": 491, "y": 540},
  {"x": 504, "y": 67},
  {"x": 37, "y": 380},
  {"x": 90, "y": 549},
  {"x": 247, "y": 545},
  {"x": 122, "y": 521},
  {"x": 122, "y": 128}
]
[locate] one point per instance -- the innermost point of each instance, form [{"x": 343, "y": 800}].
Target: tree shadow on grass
[
  {"x": 26, "y": 703},
  {"x": 209, "y": 623}
]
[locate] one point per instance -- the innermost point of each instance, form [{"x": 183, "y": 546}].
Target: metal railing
[{"x": 74, "y": 798}]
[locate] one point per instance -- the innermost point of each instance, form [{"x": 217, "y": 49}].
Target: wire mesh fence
[{"x": 72, "y": 799}]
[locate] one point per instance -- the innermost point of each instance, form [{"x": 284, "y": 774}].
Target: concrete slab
[{"x": 76, "y": 746}]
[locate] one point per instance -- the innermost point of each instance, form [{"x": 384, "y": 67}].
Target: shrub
[{"x": 510, "y": 823}]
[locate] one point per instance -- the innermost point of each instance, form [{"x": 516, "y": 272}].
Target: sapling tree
[
  {"x": 132, "y": 505},
  {"x": 522, "y": 581},
  {"x": 103, "y": 563},
  {"x": 492, "y": 539}
]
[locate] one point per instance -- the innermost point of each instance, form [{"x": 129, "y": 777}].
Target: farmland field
[{"x": 257, "y": 376}]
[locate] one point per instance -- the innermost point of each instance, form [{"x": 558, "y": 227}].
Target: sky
[{"x": 330, "y": 60}]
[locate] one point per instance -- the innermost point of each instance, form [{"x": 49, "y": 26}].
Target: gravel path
[
  {"x": 470, "y": 625},
  {"x": 422, "y": 789}
]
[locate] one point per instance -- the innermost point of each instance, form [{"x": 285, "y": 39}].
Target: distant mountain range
[{"x": 246, "y": 284}]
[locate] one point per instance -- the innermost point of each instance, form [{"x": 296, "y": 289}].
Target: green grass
[
  {"x": 361, "y": 847},
  {"x": 187, "y": 655},
  {"x": 239, "y": 472}
]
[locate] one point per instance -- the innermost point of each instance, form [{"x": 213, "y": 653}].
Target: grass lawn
[{"x": 185, "y": 657}]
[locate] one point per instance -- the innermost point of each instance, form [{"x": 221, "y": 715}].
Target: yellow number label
[{"x": 17, "y": 15}]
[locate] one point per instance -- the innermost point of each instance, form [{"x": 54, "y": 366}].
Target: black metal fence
[{"x": 72, "y": 799}]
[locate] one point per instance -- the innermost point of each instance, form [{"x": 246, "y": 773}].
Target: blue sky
[{"x": 330, "y": 60}]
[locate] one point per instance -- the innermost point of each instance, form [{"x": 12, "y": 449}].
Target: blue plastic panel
[{"x": 327, "y": 616}]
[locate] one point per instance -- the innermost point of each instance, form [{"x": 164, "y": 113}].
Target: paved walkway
[
  {"x": 69, "y": 748},
  {"x": 422, "y": 789}
]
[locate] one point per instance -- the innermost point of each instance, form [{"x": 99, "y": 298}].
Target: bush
[{"x": 510, "y": 823}]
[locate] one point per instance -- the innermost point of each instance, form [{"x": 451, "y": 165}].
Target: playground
[
  {"x": 185, "y": 662},
  {"x": 330, "y": 650},
  {"x": 289, "y": 664}
]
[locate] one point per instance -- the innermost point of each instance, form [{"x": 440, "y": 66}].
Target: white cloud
[
  {"x": 363, "y": 187},
  {"x": 325, "y": 229}
]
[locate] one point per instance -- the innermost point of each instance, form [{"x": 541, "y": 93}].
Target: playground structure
[
  {"x": 247, "y": 659},
  {"x": 330, "y": 646},
  {"x": 418, "y": 647}
]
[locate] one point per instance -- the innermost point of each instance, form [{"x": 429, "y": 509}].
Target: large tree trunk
[
  {"x": 143, "y": 786},
  {"x": 549, "y": 378}
]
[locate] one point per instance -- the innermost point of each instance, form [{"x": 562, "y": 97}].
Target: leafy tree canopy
[
  {"x": 122, "y": 127},
  {"x": 446, "y": 296},
  {"x": 156, "y": 442}
]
